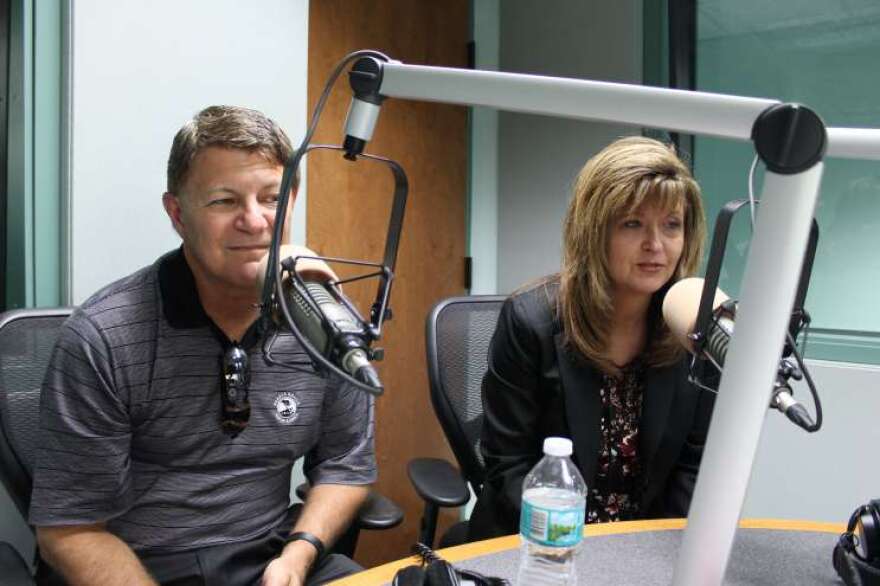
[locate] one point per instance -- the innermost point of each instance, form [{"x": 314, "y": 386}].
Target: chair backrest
[
  {"x": 459, "y": 330},
  {"x": 27, "y": 338}
]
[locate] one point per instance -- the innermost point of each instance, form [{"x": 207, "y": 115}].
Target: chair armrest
[
  {"x": 377, "y": 512},
  {"x": 13, "y": 569},
  {"x": 438, "y": 482}
]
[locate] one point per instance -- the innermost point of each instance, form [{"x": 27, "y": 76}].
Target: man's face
[{"x": 225, "y": 216}]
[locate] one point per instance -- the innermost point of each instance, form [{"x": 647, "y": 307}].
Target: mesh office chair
[
  {"x": 27, "y": 338},
  {"x": 458, "y": 333}
]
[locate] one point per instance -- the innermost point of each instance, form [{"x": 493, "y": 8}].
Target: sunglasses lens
[
  {"x": 859, "y": 541},
  {"x": 236, "y": 409}
]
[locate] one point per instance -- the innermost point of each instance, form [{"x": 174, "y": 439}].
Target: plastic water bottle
[{"x": 552, "y": 519}]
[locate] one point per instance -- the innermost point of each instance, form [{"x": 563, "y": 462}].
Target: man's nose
[{"x": 253, "y": 218}]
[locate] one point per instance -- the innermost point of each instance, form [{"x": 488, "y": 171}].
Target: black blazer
[{"x": 534, "y": 388}]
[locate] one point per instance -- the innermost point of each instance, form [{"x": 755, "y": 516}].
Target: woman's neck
[
  {"x": 629, "y": 329},
  {"x": 630, "y": 311}
]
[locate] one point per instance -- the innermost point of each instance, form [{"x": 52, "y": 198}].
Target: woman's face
[{"x": 644, "y": 248}]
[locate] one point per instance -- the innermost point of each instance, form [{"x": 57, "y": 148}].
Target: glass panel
[
  {"x": 822, "y": 54},
  {"x": 47, "y": 106},
  {"x": 33, "y": 222},
  {"x": 20, "y": 177},
  {"x": 655, "y": 44}
]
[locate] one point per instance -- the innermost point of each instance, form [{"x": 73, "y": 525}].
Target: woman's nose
[{"x": 652, "y": 239}]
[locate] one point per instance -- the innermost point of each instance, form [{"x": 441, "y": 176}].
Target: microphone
[
  {"x": 326, "y": 317},
  {"x": 680, "y": 307}
]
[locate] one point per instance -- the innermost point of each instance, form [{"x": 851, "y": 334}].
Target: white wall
[
  {"x": 822, "y": 476},
  {"x": 538, "y": 157},
  {"x": 139, "y": 70}
]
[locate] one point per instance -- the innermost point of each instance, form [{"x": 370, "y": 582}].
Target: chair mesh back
[
  {"x": 464, "y": 328},
  {"x": 26, "y": 343}
]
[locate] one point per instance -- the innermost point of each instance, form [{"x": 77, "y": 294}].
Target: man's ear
[{"x": 174, "y": 210}]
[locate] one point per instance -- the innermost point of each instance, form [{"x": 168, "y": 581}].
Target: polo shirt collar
[
  {"x": 180, "y": 298},
  {"x": 181, "y": 305}
]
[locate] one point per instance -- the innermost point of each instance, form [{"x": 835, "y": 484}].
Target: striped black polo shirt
[{"x": 130, "y": 412}]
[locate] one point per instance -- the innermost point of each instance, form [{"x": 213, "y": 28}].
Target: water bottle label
[{"x": 552, "y": 527}]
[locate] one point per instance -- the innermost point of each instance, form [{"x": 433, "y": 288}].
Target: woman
[{"x": 585, "y": 354}]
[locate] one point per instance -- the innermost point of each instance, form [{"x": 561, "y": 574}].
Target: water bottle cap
[{"x": 558, "y": 446}]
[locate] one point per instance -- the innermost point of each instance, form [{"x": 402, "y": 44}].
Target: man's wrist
[
  {"x": 309, "y": 538},
  {"x": 305, "y": 546}
]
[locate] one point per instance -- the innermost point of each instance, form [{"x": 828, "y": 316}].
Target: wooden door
[{"x": 348, "y": 208}]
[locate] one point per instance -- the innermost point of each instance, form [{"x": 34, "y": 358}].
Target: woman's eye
[
  {"x": 631, "y": 223},
  {"x": 674, "y": 224},
  {"x": 271, "y": 200}
]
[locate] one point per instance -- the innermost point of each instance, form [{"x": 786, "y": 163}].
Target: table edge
[{"x": 385, "y": 573}]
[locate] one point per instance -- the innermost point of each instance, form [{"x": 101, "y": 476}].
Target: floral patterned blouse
[{"x": 615, "y": 493}]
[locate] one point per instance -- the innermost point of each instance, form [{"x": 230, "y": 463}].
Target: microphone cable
[
  {"x": 817, "y": 403},
  {"x": 752, "y": 205}
]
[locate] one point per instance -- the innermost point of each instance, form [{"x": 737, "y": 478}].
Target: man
[{"x": 145, "y": 473}]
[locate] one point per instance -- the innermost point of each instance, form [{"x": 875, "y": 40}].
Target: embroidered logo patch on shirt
[{"x": 285, "y": 407}]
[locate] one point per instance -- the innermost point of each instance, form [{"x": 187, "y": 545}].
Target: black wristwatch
[{"x": 306, "y": 536}]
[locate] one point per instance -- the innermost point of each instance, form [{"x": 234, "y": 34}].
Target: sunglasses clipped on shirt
[{"x": 234, "y": 381}]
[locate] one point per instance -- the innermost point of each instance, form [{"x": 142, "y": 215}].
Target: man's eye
[{"x": 221, "y": 201}]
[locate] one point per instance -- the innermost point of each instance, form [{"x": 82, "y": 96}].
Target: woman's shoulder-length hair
[{"x": 616, "y": 182}]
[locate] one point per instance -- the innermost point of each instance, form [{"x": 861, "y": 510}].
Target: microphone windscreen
[
  {"x": 681, "y": 305},
  {"x": 309, "y": 269}
]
